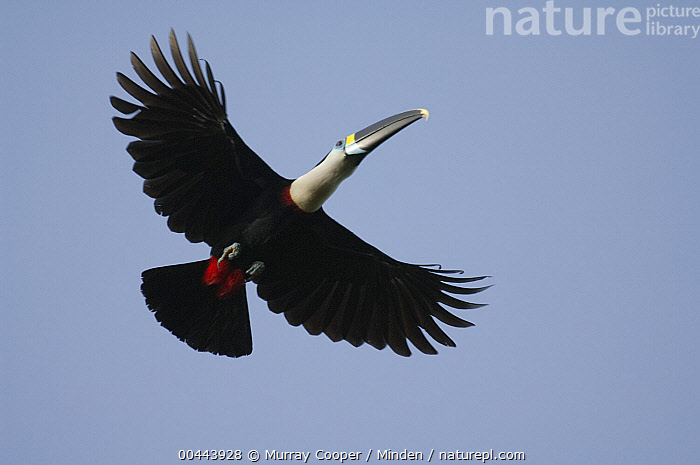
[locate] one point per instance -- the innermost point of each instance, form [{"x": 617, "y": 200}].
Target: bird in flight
[{"x": 267, "y": 229}]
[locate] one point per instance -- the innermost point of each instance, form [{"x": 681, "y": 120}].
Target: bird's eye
[{"x": 339, "y": 143}]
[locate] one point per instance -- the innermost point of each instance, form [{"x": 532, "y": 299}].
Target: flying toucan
[{"x": 267, "y": 229}]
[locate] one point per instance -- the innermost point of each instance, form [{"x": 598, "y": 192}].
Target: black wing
[
  {"x": 326, "y": 278},
  {"x": 199, "y": 171}
]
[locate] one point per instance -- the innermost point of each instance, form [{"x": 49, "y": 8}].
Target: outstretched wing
[
  {"x": 196, "y": 167},
  {"x": 331, "y": 281}
]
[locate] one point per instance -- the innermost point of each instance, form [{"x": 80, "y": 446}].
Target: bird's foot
[
  {"x": 255, "y": 270},
  {"x": 230, "y": 252}
]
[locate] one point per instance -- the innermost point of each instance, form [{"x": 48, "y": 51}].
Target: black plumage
[{"x": 215, "y": 189}]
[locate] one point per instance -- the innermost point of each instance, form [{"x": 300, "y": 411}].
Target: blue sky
[{"x": 564, "y": 166}]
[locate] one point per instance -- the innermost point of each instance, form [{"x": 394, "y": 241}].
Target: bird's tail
[{"x": 204, "y": 307}]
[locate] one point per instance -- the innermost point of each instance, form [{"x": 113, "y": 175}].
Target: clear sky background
[{"x": 565, "y": 167}]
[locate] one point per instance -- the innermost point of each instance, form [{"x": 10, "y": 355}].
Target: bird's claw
[
  {"x": 230, "y": 252},
  {"x": 255, "y": 270}
]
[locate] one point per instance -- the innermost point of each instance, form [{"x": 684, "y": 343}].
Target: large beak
[{"x": 368, "y": 139}]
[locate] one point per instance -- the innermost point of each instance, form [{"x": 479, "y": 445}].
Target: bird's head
[
  {"x": 312, "y": 189},
  {"x": 358, "y": 145}
]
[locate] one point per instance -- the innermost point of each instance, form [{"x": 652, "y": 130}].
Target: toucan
[{"x": 267, "y": 229}]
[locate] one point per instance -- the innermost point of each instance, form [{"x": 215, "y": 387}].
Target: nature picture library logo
[{"x": 658, "y": 20}]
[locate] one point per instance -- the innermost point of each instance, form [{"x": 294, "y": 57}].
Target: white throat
[{"x": 311, "y": 190}]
